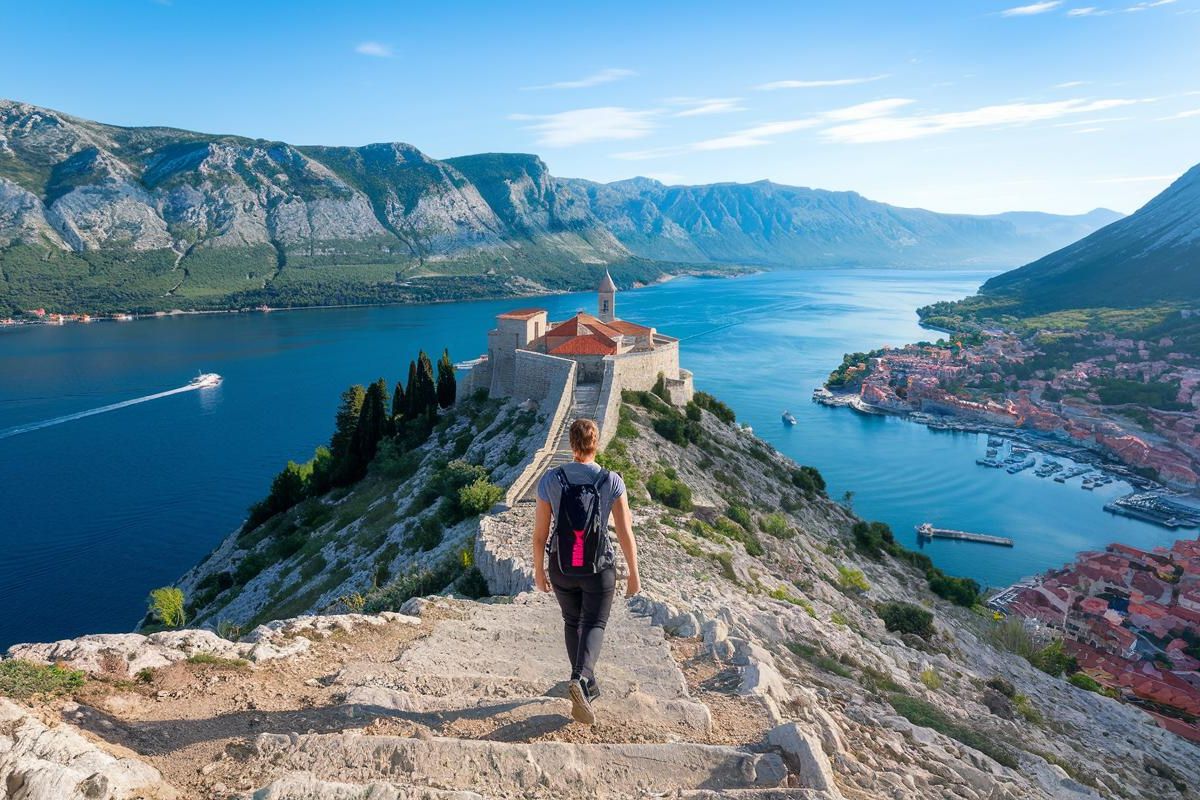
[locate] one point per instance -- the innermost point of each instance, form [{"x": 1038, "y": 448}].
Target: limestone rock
[{"x": 38, "y": 762}]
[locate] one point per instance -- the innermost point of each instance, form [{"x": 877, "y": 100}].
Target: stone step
[
  {"x": 501, "y": 769},
  {"x": 304, "y": 786},
  {"x": 508, "y": 660}
]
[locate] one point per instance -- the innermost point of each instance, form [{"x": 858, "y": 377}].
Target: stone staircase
[
  {"x": 584, "y": 405},
  {"x": 486, "y": 687}
]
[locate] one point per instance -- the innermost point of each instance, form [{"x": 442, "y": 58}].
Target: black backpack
[{"x": 579, "y": 543}]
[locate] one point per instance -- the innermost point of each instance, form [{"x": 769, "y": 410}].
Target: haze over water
[{"x": 97, "y": 511}]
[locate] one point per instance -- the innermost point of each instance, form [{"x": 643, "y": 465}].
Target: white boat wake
[{"x": 202, "y": 382}]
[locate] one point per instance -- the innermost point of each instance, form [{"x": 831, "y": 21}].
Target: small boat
[
  {"x": 206, "y": 380},
  {"x": 788, "y": 419}
]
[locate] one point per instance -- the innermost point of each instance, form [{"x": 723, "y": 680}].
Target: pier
[{"x": 927, "y": 531}]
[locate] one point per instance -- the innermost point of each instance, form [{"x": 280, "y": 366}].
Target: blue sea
[{"x": 98, "y": 510}]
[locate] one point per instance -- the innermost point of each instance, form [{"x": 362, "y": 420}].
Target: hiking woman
[{"x": 571, "y": 529}]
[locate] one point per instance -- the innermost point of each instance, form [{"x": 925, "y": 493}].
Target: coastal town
[
  {"x": 1129, "y": 406},
  {"x": 1131, "y": 620}
]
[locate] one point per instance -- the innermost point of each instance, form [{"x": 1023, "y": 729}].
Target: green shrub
[
  {"x": 931, "y": 679},
  {"x": 1002, "y": 686},
  {"x": 666, "y": 487},
  {"x": 23, "y": 679},
  {"x": 852, "y": 579},
  {"x": 906, "y": 618},
  {"x": 782, "y": 593},
  {"x": 1025, "y": 708},
  {"x": 166, "y": 604},
  {"x": 1053, "y": 659},
  {"x": 921, "y": 713},
  {"x": 473, "y": 584},
  {"x": 476, "y": 498},
  {"x": 776, "y": 525},
  {"x": 838, "y": 618},
  {"x": 731, "y": 530},
  {"x": 427, "y": 534},
  {"x": 741, "y": 516},
  {"x": 715, "y": 407},
  {"x": 872, "y": 538}
]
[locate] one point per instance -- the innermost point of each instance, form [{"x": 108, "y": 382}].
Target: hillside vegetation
[{"x": 100, "y": 218}]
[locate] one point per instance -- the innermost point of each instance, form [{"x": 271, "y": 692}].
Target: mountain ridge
[{"x": 96, "y": 217}]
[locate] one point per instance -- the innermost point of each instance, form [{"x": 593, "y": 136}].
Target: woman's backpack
[{"x": 580, "y": 543}]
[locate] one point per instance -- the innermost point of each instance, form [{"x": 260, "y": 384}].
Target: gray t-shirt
[{"x": 550, "y": 490}]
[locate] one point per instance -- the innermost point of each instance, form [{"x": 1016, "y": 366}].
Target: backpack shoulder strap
[
  {"x": 561, "y": 474},
  {"x": 600, "y": 479}
]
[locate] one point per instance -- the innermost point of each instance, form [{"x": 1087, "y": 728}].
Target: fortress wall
[
  {"x": 608, "y": 406},
  {"x": 541, "y": 377},
  {"x": 639, "y": 371},
  {"x": 556, "y": 378}
]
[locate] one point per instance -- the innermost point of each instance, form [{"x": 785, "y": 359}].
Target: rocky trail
[
  {"x": 734, "y": 674},
  {"x": 459, "y": 699}
]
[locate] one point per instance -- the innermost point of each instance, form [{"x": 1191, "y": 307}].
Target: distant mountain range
[
  {"x": 770, "y": 224},
  {"x": 1151, "y": 256},
  {"x": 98, "y": 217}
]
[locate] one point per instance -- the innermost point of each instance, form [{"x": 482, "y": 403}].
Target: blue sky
[{"x": 956, "y": 106}]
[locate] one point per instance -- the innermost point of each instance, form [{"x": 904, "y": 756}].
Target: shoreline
[
  {"x": 1042, "y": 442},
  {"x": 73, "y": 319}
]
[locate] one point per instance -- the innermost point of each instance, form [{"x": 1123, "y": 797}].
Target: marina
[
  {"x": 926, "y": 531},
  {"x": 1156, "y": 508}
]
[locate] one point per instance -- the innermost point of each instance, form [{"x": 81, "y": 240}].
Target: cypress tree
[
  {"x": 372, "y": 420},
  {"x": 447, "y": 384},
  {"x": 347, "y": 420},
  {"x": 426, "y": 387},
  {"x": 398, "y": 400},
  {"x": 410, "y": 393}
]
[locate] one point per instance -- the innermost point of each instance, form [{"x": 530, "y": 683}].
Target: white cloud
[
  {"x": 764, "y": 133},
  {"x": 1137, "y": 179},
  {"x": 1070, "y": 84},
  {"x": 817, "y": 84},
  {"x": 704, "y": 106},
  {"x": 1031, "y": 9},
  {"x": 1089, "y": 130},
  {"x": 595, "y": 79},
  {"x": 584, "y": 125},
  {"x": 374, "y": 49},
  {"x": 1195, "y": 112},
  {"x": 1087, "y": 11},
  {"x": 1148, "y": 5},
  {"x": 888, "y": 128}
]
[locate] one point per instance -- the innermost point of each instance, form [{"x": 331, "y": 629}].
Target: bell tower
[{"x": 607, "y": 291}]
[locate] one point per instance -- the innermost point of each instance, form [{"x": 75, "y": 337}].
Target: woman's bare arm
[
  {"x": 541, "y": 532},
  {"x": 623, "y": 521}
]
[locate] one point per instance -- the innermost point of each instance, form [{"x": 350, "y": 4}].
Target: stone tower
[{"x": 608, "y": 298}]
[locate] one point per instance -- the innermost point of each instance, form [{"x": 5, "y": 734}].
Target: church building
[{"x": 527, "y": 352}]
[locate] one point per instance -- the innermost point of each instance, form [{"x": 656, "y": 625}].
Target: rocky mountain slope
[
  {"x": 772, "y": 224},
  {"x": 754, "y": 664},
  {"x": 97, "y": 217},
  {"x": 1150, "y": 256}
]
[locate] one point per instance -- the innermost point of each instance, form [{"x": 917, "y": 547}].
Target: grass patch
[
  {"x": 813, "y": 655},
  {"x": 23, "y": 679},
  {"x": 921, "y": 713},
  {"x": 220, "y": 662}
]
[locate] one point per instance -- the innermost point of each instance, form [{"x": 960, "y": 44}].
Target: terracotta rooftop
[
  {"x": 521, "y": 313},
  {"x": 592, "y": 344},
  {"x": 629, "y": 328}
]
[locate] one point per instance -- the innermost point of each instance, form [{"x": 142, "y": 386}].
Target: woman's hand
[
  {"x": 633, "y": 585},
  {"x": 540, "y": 580}
]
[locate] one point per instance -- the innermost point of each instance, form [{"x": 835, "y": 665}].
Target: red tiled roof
[
  {"x": 590, "y": 345},
  {"x": 629, "y": 328},
  {"x": 522, "y": 313}
]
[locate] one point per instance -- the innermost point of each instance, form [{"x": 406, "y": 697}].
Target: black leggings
[{"x": 586, "y": 601}]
